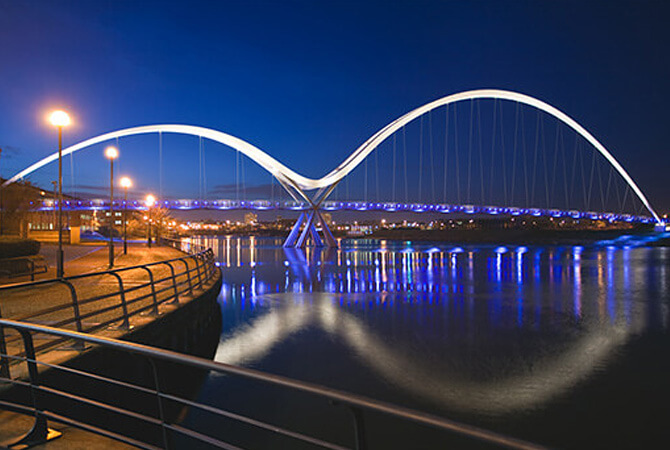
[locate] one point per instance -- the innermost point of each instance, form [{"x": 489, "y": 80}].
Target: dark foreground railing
[
  {"x": 41, "y": 395},
  {"x": 100, "y": 299}
]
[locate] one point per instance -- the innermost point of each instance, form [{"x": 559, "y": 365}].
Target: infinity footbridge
[{"x": 481, "y": 164}]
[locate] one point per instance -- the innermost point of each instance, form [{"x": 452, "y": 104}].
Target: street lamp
[
  {"x": 125, "y": 184},
  {"x": 111, "y": 153},
  {"x": 60, "y": 119},
  {"x": 149, "y": 201}
]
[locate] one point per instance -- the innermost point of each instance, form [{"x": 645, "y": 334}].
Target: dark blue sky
[{"x": 309, "y": 81}]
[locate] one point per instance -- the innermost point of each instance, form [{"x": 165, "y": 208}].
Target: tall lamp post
[
  {"x": 150, "y": 200},
  {"x": 125, "y": 184},
  {"x": 111, "y": 153},
  {"x": 60, "y": 119}
]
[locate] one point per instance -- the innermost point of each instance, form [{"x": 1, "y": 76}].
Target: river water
[{"x": 563, "y": 346}]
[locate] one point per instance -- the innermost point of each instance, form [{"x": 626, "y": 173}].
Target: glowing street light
[
  {"x": 125, "y": 183},
  {"x": 149, "y": 201},
  {"x": 60, "y": 119},
  {"x": 111, "y": 153}
]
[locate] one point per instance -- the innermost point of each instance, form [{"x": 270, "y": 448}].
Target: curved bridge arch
[
  {"x": 267, "y": 162},
  {"x": 296, "y": 184},
  {"x": 359, "y": 155}
]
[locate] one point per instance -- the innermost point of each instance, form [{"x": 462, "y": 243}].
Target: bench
[{"x": 23, "y": 266}]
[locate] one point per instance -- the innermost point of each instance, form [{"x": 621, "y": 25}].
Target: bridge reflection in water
[{"x": 520, "y": 339}]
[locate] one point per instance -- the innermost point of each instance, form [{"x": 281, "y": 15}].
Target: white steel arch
[
  {"x": 296, "y": 184},
  {"x": 359, "y": 155},
  {"x": 270, "y": 164}
]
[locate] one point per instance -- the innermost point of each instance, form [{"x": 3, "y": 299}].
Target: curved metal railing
[
  {"x": 363, "y": 408},
  {"x": 88, "y": 310}
]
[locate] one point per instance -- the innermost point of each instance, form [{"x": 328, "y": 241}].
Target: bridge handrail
[
  {"x": 356, "y": 403},
  {"x": 393, "y": 206},
  {"x": 199, "y": 269}
]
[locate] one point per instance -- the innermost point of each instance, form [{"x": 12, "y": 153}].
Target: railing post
[
  {"x": 78, "y": 345},
  {"x": 188, "y": 275},
  {"x": 161, "y": 412},
  {"x": 40, "y": 432},
  {"x": 210, "y": 260},
  {"x": 124, "y": 307},
  {"x": 359, "y": 428},
  {"x": 153, "y": 291},
  {"x": 205, "y": 269},
  {"x": 197, "y": 268},
  {"x": 174, "y": 283},
  {"x": 4, "y": 361},
  {"x": 359, "y": 424}
]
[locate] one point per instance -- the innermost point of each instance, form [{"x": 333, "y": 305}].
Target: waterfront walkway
[
  {"x": 28, "y": 304},
  {"x": 17, "y": 304}
]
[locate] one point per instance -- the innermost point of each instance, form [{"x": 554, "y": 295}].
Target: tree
[
  {"x": 161, "y": 222},
  {"x": 18, "y": 199}
]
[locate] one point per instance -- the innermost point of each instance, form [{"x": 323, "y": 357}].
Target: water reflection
[{"x": 484, "y": 329}]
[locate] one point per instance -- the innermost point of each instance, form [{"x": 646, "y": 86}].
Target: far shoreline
[{"x": 491, "y": 237}]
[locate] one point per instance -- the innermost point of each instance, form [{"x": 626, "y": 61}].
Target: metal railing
[
  {"x": 167, "y": 431},
  {"x": 87, "y": 310}
]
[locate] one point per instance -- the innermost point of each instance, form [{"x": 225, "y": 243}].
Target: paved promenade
[
  {"x": 21, "y": 304},
  {"x": 82, "y": 259}
]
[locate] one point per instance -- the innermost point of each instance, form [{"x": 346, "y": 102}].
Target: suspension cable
[
  {"x": 593, "y": 163},
  {"x": 515, "y": 144},
  {"x": 470, "y": 150},
  {"x": 420, "y": 157},
  {"x": 432, "y": 158},
  {"x": 446, "y": 154},
  {"x": 493, "y": 155},
  {"x": 554, "y": 166},
  {"x": 534, "y": 172},
  {"x": 160, "y": 164},
  {"x": 503, "y": 153},
  {"x": 481, "y": 152},
  {"x": 394, "y": 169},
  {"x": 404, "y": 151},
  {"x": 456, "y": 147},
  {"x": 524, "y": 158},
  {"x": 378, "y": 198}
]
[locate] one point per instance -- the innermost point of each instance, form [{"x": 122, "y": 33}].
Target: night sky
[{"x": 309, "y": 81}]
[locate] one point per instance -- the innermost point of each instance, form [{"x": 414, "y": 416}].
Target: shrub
[{"x": 14, "y": 247}]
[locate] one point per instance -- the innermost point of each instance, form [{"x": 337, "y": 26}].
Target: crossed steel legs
[{"x": 310, "y": 219}]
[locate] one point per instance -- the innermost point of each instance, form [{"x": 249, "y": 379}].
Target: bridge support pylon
[{"x": 308, "y": 221}]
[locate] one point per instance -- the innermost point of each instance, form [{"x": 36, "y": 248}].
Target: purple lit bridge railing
[{"x": 266, "y": 205}]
